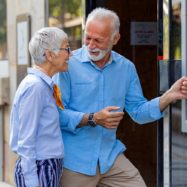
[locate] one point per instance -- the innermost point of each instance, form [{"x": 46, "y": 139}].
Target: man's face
[{"x": 98, "y": 39}]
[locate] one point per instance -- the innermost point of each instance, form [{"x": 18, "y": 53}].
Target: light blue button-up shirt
[
  {"x": 35, "y": 130},
  {"x": 86, "y": 88}
]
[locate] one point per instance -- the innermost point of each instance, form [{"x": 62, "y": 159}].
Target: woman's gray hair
[
  {"x": 47, "y": 38},
  {"x": 103, "y": 13}
]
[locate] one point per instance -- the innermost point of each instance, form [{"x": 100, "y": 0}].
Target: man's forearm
[
  {"x": 84, "y": 121},
  {"x": 165, "y": 100}
]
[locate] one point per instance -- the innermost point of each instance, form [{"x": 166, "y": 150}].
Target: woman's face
[{"x": 60, "y": 61}]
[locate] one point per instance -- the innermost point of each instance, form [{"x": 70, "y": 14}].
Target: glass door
[
  {"x": 174, "y": 132},
  {"x": 178, "y": 138}
]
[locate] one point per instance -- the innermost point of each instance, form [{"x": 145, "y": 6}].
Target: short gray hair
[
  {"x": 47, "y": 38},
  {"x": 103, "y": 13}
]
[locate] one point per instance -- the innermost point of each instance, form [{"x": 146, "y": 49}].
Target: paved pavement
[{"x": 2, "y": 184}]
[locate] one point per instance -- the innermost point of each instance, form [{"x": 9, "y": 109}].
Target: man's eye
[{"x": 98, "y": 41}]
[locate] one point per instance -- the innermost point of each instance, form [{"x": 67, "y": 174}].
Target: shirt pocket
[{"x": 84, "y": 91}]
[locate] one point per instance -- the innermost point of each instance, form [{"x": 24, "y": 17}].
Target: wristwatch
[{"x": 91, "y": 121}]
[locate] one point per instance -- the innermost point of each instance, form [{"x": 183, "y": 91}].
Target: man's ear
[{"x": 116, "y": 38}]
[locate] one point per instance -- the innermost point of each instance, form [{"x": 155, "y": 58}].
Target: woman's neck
[{"x": 45, "y": 69}]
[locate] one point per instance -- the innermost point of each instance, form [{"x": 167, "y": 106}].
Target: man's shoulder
[
  {"x": 121, "y": 59},
  {"x": 77, "y": 51},
  {"x": 78, "y": 54}
]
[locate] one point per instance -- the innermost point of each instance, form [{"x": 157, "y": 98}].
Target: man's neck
[{"x": 101, "y": 63}]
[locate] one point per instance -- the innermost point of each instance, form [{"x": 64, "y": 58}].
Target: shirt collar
[{"x": 41, "y": 75}]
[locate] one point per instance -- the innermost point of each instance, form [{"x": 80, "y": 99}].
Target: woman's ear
[
  {"x": 116, "y": 38},
  {"x": 49, "y": 55}
]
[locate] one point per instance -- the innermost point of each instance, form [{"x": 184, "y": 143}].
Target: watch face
[{"x": 91, "y": 121}]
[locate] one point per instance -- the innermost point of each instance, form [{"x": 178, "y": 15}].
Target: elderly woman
[{"x": 35, "y": 131}]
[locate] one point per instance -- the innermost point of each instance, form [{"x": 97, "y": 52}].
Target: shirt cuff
[
  {"x": 69, "y": 120},
  {"x": 155, "y": 109},
  {"x": 76, "y": 121},
  {"x": 29, "y": 170},
  {"x": 31, "y": 180}
]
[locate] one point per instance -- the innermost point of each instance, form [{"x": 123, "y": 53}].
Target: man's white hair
[
  {"x": 47, "y": 38},
  {"x": 102, "y": 14}
]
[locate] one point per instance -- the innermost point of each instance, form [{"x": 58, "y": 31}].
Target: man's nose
[{"x": 91, "y": 44}]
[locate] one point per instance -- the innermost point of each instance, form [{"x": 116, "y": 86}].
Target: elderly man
[{"x": 100, "y": 84}]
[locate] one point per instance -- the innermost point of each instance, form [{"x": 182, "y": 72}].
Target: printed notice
[
  {"x": 22, "y": 43},
  {"x": 143, "y": 33}
]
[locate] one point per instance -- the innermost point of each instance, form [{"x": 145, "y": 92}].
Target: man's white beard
[{"x": 100, "y": 56}]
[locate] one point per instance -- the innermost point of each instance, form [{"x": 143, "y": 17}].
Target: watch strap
[{"x": 91, "y": 121}]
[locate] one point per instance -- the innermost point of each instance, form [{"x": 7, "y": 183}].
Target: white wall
[{"x": 4, "y": 71}]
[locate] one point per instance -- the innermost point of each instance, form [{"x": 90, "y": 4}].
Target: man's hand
[
  {"x": 177, "y": 91},
  {"x": 109, "y": 117}
]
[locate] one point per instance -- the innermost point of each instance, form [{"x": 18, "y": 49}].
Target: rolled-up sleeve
[
  {"x": 139, "y": 108},
  {"x": 70, "y": 119}
]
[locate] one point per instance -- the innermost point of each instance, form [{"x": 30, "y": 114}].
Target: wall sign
[
  {"x": 22, "y": 42},
  {"x": 143, "y": 33},
  {"x": 23, "y": 37}
]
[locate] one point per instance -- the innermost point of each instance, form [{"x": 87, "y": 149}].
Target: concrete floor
[{"x": 2, "y": 184}]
